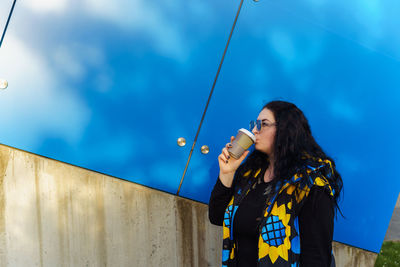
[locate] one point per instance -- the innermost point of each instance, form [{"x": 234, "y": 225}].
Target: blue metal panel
[
  {"x": 111, "y": 85},
  {"x": 341, "y": 75}
]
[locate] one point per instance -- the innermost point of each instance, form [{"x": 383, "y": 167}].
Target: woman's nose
[{"x": 254, "y": 130}]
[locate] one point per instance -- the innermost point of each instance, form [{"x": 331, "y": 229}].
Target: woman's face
[{"x": 266, "y": 136}]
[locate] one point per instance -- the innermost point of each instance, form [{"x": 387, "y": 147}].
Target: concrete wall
[
  {"x": 393, "y": 232},
  {"x": 55, "y": 214},
  {"x": 347, "y": 256}
]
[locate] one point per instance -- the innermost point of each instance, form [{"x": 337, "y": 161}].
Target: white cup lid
[{"x": 250, "y": 134}]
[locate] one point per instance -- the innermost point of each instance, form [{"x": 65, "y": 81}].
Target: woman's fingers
[
  {"x": 226, "y": 153},
  {"x": 223, "y": 158},
  {"x": 228, "y": 145}
]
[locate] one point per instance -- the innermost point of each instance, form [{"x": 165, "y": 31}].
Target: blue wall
[{"x": 111, "y": 86}]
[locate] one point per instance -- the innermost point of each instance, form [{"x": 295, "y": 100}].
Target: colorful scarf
[{"x": 279, "y": 238}]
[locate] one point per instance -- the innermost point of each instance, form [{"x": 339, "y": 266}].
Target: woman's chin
[{"x": 258, "y": 148}]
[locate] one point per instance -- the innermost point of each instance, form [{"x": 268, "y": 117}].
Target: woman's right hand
[{"x": 228, "y": 165}]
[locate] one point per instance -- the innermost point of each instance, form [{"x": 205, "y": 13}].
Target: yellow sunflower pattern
[
  {"x": 274, "y": 240},
  {"x": 276, "y": 235}
]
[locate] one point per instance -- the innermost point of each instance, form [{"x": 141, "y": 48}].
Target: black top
[{"x": 315, "y": 223}]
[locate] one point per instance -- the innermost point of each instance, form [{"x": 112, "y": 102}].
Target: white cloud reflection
[
  {"x": 72, "y": 59},
  {"x": 45, "y": 6},
  {"x": 370, "y": 15},
  {"x": 344, "y": 110},
  {"x": 292, "y": 52},
  {"x": 36, "y": 102},
  {"x": 147, "y": 17},
  {"x": 68, "y": 63}
]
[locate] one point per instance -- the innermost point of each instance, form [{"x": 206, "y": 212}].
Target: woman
[{"x": 278, "y": 207}]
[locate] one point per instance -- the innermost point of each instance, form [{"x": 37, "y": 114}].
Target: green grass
[{"x": 389, "y": 255}]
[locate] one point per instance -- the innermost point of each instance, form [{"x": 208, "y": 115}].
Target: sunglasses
[{"x": 259, "y": 124}]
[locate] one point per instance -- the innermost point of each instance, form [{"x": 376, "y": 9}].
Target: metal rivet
[
  {"x": 3, "y": 84},
  {"x": 181, "y": 141},
  {"x": 205, "y": 149}
]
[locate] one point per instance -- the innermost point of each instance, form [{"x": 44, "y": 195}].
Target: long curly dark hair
[{"x": 293, "y": 140}]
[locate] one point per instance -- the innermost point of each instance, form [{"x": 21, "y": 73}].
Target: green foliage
[{"x": 389, "y": 255}]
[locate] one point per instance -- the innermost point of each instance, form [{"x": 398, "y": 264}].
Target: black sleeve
[
  {"x": 220, "y": 197},
  {"x": 316, "y": 229}
]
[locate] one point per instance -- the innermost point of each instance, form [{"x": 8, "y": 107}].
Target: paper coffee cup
[{"x": 243, "y": 140}]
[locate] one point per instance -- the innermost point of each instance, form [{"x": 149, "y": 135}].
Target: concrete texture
[
  {"x": 55, "y": 214},
  {"x": 347, "y": 256},
  {"x": 393, "y": 232}
]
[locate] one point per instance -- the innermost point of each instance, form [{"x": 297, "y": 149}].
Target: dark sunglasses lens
[
  {"x": 258, "y": 125},
  {"x": 252, "y": 124}
]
